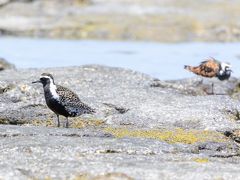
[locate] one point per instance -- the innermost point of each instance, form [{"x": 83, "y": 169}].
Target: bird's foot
[
  {"x": 207, "y": 92},
  {"x": 210, "y": 93},
  {"x": 67, "y": 125}
]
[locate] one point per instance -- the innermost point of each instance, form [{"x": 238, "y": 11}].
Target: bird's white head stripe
[
  {"x": 52, "y": 87},
  {"x": 46, "y": 77},
  {"x": 224, "y": 65}
]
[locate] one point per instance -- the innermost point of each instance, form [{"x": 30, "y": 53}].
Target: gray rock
[
  {"x": 143, "y": 128},
  {"x": 87, "y": 19},
  {"x": 59, "y": 153},
  {"x": 5, "y": 65},
  {"x": 131, "y": 93}
]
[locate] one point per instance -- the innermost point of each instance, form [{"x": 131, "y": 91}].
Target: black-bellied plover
[
  {"x": 212, "y": 68},
  {"x": 61, "y": 100}
]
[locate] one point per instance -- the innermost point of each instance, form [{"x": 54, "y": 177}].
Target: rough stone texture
[
  {"x": 5, "y": 65},
  {"x": 58, "y": 153},
  {"x": 166, "y": 21},
  {"x": 169, "y": 105},
  {"x": 144, "y": 128}
]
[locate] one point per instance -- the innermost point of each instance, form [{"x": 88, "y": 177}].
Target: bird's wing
[
  {"x": 66, "y": 95},
  {"x": 209, "y": 68},
  {"x": 71, "y": 101}
]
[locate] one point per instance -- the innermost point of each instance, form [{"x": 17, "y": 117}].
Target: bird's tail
[
  {"x": 92, "y": 111},
  {"x": 89, "y": 110}
]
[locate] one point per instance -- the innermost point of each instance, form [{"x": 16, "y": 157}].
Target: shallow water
[{"x": 164, "y": 61}]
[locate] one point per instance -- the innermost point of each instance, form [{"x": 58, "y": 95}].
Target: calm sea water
[{"x": 164, "y": 61}]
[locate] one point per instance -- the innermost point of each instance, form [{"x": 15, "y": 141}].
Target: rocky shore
[
  {"x": 144, "y": 128},
  {"x": 164, "y": 21}
]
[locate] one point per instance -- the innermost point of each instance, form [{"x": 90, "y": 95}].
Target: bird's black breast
[
  {"x": 54, "y": 104},
  {"x": 57, "y": 107},
  {"x": 66, "y": 102},
  {"x": 224, "y": 76}
]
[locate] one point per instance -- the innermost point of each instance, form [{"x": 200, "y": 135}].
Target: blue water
[{"x": 164, "y": 61}]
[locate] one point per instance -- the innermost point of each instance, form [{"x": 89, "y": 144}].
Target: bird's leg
[
  {"x": 212, "y": 88},
  {"x": 58, "y": 121},
  {"x": 209, "y": 91},
  {"x": 200, "y": 82},
  {"x": 67, "y": 123}
]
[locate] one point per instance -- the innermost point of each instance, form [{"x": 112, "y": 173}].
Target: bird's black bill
[{"x": 36, "y": 82}]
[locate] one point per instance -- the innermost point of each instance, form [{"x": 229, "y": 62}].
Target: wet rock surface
[{"x": 144, "y": 128}]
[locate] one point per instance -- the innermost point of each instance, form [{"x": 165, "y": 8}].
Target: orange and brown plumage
[{"x": 211, "y": 68}]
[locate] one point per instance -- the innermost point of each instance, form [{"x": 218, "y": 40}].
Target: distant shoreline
[{"x": 164, "y": 21}]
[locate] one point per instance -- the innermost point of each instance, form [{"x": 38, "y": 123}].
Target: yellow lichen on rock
[
  {"x": 201, "y": 160},
  {"x": 171, "y": 136},
  {"x": 81, "y": 123},
  {"x": 47, "y": 122},
  {"x": 107, "y": 176}
]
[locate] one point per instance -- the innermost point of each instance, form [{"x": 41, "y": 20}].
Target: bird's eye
[{"x": 43, "y": 79}]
